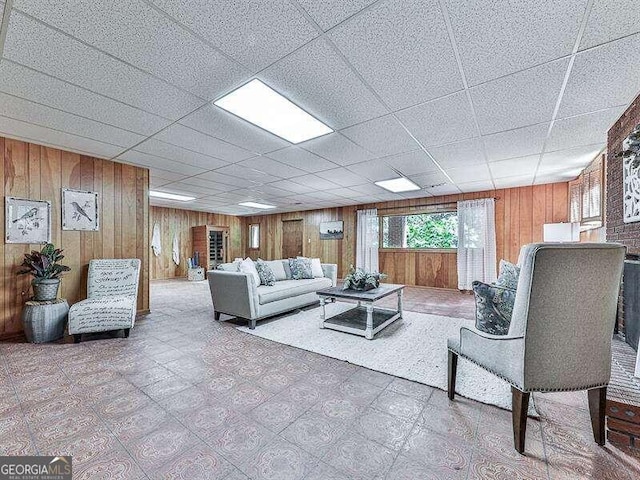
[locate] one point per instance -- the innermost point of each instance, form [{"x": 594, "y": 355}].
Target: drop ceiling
[{"x": 456, "y": 96}]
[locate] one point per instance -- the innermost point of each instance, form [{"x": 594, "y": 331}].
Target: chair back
[
  {"x": 565, "y": 307},
  {"x": 111, "y": 277}
]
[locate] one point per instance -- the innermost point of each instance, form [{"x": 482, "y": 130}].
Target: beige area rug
[{"x": 414, "y": 347}]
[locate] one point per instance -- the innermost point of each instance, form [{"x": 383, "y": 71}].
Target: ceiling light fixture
[
  {"x": 397, "y": 185},
  {"x": 170, "y": 196},
  {"x": 261, "y": 206},
  {"x": 259, "y": 104}
]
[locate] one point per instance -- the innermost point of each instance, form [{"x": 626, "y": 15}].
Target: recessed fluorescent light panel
[
  {"x": 259, "y": 104},
  {"x": 261, "y": 206},
  {"x": 170, "y": 196},
  {"x": 397, "y": 185}
]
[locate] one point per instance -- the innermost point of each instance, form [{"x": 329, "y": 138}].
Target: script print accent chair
[
  {"x": 112, "y": 291},
  {"x": 560, "y": 334}
]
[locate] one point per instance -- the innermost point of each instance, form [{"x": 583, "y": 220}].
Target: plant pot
[{"x": 45, "y": 289}]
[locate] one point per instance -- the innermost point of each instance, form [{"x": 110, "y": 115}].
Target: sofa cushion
[
  {"x": 290, "y": 288},
  {"x": 267, "y": 276},
  {"x": 494, "y": 307},
  {"x": 228, "y": 267},
  {"x": 277, "y": 267},
  {"x": 300, "y": 268}
]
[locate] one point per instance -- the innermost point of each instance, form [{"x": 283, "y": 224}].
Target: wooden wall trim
[{"x": 38, "y": 172}]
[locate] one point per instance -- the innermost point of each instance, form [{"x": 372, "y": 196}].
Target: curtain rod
[{"x": 434, "y": 204}]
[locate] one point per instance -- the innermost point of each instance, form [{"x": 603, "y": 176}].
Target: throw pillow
[
  {"x": 300, "y": 268},
  {"x": 277, "y": 267},
  {"x": 316, "y": 267},
  {"x": 287, "y": 268},
  {"x": 508, "y": 276},
  {"x": 265, "y": 273},
  {"x": 247, "y": 266},
  {"x": 228, "y": 267},
  {"x": 494, "y": 307}
]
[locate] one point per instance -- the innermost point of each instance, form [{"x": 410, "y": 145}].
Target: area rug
[{"x": 414, "y": 348}]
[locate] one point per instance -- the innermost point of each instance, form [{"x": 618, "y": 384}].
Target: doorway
[{"x": 292, "y": 238}]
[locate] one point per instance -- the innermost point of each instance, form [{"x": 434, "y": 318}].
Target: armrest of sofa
[
  {"x": 233, "y": 293},
  {"x": 330, "y": 271}
]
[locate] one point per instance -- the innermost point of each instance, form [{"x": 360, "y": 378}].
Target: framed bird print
[
  {"x": 79, "y": 210},
  {"x": 27, "y": 221}
]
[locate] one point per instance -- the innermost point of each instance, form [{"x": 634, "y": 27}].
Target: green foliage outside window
[{"x": 425, "y": 230}]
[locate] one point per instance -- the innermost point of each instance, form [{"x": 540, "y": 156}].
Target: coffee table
[{"x": 364, "y": 319}]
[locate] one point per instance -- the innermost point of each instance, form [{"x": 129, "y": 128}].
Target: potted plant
[
  {"x": 46, "y": 271},
  {"x": 358, "y": 279}
]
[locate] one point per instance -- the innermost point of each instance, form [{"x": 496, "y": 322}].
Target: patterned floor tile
[
  {"x": 138, "y": 423},
  {"x": 113, "y": 465},
  {"x": 279, "y": 460},
  {"x": 398, "y": 405},
  {"x": 359, "y": 458},
  {"x": 240, "y": 438},
  {"x": 443, "y": 451},
  {"x": 199, "y": 463},
  {"x": 314, "y": 432},
  {"x": 385, "y": 429}
]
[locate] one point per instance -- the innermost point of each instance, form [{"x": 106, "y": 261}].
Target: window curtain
[
  {"x": 367, "y": 240},
  {"x": 476, "y": 242}
]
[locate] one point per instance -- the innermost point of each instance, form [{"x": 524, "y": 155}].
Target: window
[
  {"x": 422, "y": 230},
  {"x": 254, "y": 235}
]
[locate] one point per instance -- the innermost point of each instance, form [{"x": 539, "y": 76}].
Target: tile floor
[{"x": 186, "y": 397}]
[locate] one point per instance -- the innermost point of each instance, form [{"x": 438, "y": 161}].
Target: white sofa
[{"x": 236, "y": 293}]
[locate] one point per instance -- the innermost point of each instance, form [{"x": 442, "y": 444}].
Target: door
[{"x": 291, "y": 238}]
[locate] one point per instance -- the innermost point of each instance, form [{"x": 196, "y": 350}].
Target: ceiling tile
[
  {"x": 271, "y": 191},
  {"x": 254, "y": 33},
  {"x": 337, "y": 148},
  {"x": 369, "y": 189},
  {"x": 515, "y": 167},
  {"x": 158, "y": 175},
  {"x": 479, "y": 186},
  {"x": 546, "y": 178},
  {"x": 411, "y": 163},
  {"x": 499, "y": 38},
  {"x": 219, "y": 177},
  {"x": 247, "y": 174},
  {"x": 381, "y": 136},
  {"x": 185, "y": 137},
  {"x": 19, "y": 109},
  {"x": 603, "y": 77},
  {"x": 298, "y": 158},
  {"x": 342, "y": 177},
  {"x": 374, "y": 170},
  {"x": 292, "y": 186},
  {"x": 582, "y": 130},
  {"x": 271, "y": 167},
  {"x": 179, "y": 154},
  {"x": 183, "y": 189},
  {"x": 317, "y": 80},
  {"x": 46, "y": 90},
  {"x": 516, "y": 143},
  {"x": 610, "y": 20},
  {"x": 470, "y": 173},
  {"x": 429, "y": 180},
  {"x": 415, "y": 194},
  {"x": 516, "y": 181},
  {"x": 329, "y": 13},
  {"x": 520, "y": 99},
  {"x": 46, "y": 136},
  {"x": 459, "y": 154},
  {"x": 142, "y": 36},
  {"x": 32, "y": 44},
  {"x": 314, "y": 182},
  {"x": 570, "y": 159},
  {"x": 440, "y": 121},
  {"x": 402, "y": 49},
  {"x": 152, "y": 161},
  {"x": 215, "y": 122},
  {"x": 446, "y": 189}
]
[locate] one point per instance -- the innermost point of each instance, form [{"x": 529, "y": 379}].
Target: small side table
[
  {"x": 196, "y": 274},
  {"x": 45, "y": 321}
]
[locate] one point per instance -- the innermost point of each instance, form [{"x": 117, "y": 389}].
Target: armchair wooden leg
[
  {"x": 452, "y": 368},
  {"x": 597, "y": 406},
  {"x": 77, "y": 337},
  {"x": 252, "y": 324},
  {"x": 216, "y": 315},
  {"x": 126, "y": 332},
  {"x": 519, "y": 409}
]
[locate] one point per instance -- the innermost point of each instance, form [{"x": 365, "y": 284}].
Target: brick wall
[{"x": 617, "y": 231}]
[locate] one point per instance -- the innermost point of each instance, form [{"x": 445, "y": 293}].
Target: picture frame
[
  {"x": 80, "y": 210},
  {"x": 27, "y": 221},
  {"x": 332, "y": 230}
]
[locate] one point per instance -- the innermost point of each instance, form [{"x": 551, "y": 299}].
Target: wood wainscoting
[
  {"x": 173, "y": 220},
  {"x": 520, "y": 215},
  {"x": 37, "y": 172}
]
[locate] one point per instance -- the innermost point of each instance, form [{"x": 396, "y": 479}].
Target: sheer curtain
[
  {"x": 367, "y": 240},
  {"x": 476, "y": 242}
]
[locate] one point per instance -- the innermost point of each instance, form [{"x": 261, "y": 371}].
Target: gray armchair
[{"x": 560, "y": 333}]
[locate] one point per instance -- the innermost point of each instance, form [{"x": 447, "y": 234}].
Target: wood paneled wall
[
  {"x": 520, "y": 215},
  {"x": 37, "y": 172},
  {"x": 173, "y": 220}
]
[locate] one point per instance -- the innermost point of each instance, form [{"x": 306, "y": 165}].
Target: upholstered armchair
[
  {"x": 112, "y": 291},
  {"x": 560, "y": 334}
]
